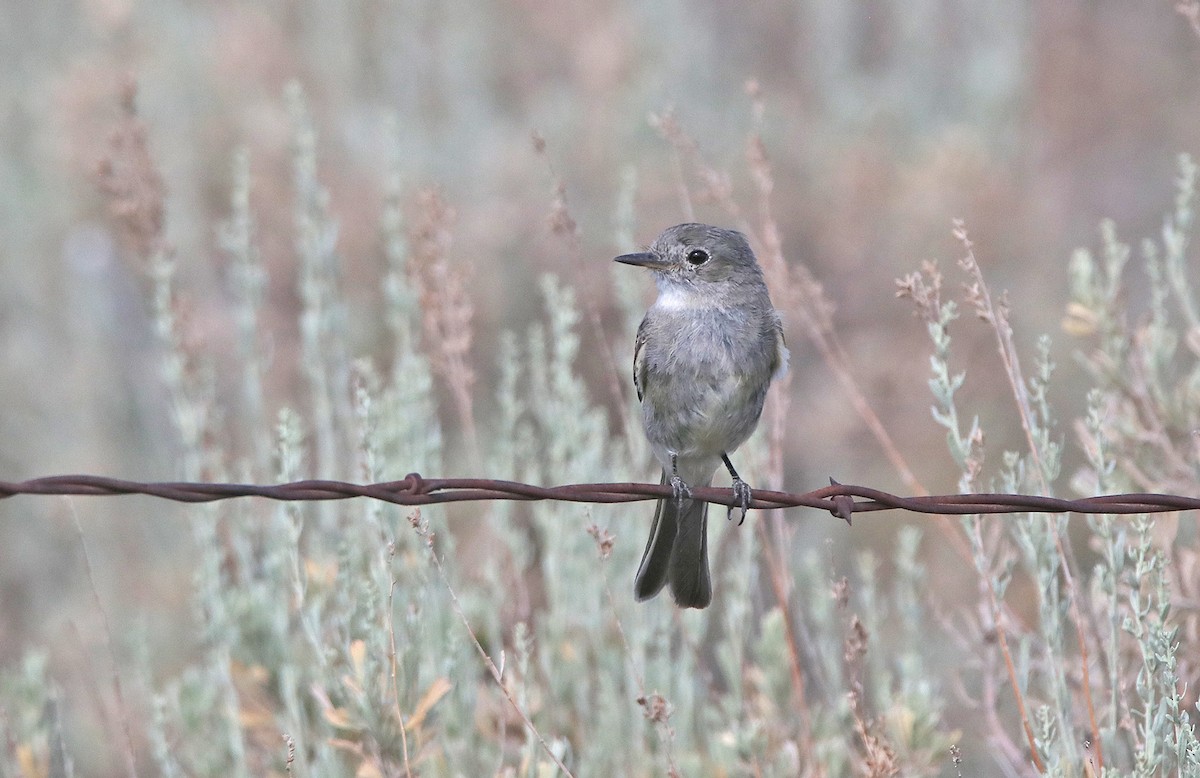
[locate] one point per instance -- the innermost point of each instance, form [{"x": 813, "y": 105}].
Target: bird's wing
[
  {"x": 779, "y": 364},
  {"x": 639, "y": 367}
]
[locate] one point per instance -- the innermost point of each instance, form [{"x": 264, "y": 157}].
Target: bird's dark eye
[{"x": 697, "y": 256}]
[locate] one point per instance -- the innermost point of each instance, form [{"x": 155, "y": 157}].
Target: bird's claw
[
  {"x": 680, "y": 490},
  {"x": 741, "y": 493}
]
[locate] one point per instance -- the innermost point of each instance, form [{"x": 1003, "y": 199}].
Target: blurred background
[{"x": 882, "y": 122}]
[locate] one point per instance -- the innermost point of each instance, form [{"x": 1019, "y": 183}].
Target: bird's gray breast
[{"x": 705, "y": 374}]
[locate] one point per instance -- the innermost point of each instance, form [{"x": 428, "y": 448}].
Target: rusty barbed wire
[{"x": 841, "y": 500}]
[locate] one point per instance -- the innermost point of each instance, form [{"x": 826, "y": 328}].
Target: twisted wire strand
[{"x": 841, "y": 500}]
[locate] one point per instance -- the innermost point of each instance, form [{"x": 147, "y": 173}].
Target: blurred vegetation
[{"x": 268, "y": 241}]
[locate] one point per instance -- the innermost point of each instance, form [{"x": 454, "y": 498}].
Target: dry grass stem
[{"x": 422, "y": 529}]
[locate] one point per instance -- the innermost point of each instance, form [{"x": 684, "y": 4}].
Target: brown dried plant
[
  {"x": 129, "y": 178},
  {"x": 996, "y": 314},
  {"x": 446, "y": 305}
]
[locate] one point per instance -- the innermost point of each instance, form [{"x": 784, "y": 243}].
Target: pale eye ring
[{"x": 697, "y": 257}]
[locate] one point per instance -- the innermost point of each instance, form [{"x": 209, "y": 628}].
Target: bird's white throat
[{"x": 678, "y": 298}]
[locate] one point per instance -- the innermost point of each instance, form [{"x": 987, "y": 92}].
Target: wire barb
[{"x": 841, "y": 500}]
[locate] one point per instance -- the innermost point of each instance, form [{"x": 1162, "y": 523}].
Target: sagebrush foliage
[{"x": 344, "y": 638}]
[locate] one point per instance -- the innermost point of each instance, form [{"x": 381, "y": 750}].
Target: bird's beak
[{"x": 643, "y": 259}]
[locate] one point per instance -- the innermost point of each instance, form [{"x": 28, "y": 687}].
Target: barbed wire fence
[{"x": 841, "y": 500}]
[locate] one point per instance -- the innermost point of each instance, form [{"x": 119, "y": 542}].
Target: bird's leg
[
  {"x": 678, "y": 487},
  {"x": 741, "y": 491}
]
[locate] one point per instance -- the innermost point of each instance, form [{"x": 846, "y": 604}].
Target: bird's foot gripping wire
[
  {"x": 741, "y": 493},
  {"x": 679, "y": 490}
]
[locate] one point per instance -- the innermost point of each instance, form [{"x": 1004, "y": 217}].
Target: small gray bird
[{"x": 704, "y": 358}]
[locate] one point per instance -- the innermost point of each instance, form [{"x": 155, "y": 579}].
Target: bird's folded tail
[{"x": 677, "y": 551}]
